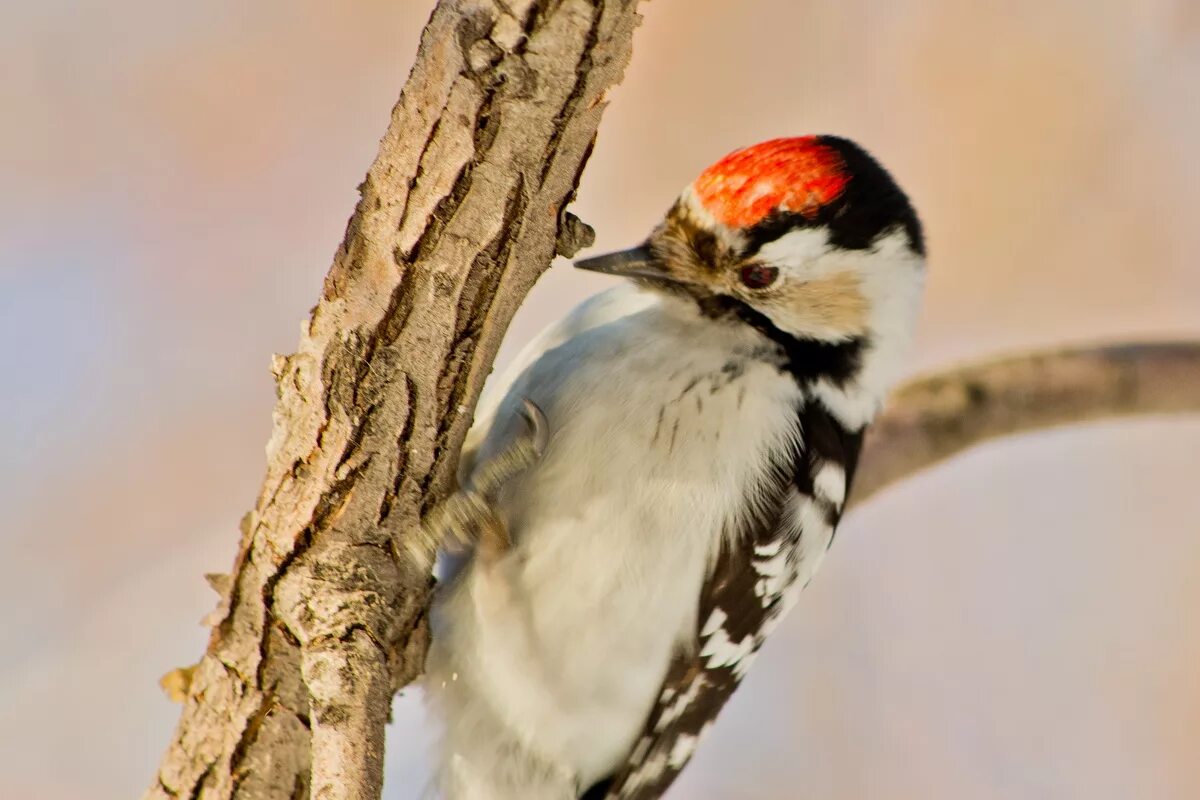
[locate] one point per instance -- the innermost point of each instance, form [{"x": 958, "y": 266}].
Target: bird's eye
[{"x": 756, "y": 276}]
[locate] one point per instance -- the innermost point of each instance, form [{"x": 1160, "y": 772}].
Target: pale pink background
[{"x": 1017, "y": 624}]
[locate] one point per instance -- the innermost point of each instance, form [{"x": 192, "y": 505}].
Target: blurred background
[{"x": 1020, "y": 623}]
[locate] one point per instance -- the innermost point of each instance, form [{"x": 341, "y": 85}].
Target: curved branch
[{"x": 930, "y": 419}]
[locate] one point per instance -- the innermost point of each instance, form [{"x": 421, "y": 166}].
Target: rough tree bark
[
  {"x": 322, "y": 617},
  {"x": 461, "y": 211}
]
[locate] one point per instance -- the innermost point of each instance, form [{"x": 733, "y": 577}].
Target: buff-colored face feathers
[{"x": 833, "y": 307}]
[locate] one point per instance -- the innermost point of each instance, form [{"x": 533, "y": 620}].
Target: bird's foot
[{"x": 467, "y": 517}]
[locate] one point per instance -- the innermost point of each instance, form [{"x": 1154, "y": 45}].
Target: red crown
[{"x": 797, "y": 175}]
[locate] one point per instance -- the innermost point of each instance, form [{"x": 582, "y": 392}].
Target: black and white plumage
[
  {"x": 703, "y": 428},
  {"x": 749, "y": 589}
]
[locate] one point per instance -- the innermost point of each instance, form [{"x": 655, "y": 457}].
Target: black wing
[{"x": 751, "y": 586}]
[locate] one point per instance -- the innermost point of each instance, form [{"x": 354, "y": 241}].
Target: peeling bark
[{"x": 462, "y": 210}]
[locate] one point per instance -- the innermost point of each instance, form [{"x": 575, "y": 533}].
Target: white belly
[{"x": 567, "y": 638}]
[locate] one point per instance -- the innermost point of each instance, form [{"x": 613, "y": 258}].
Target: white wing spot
[
  {"x": 715, "y": 620},
  {"x": 675, "y": 710},
  {"x": 650, "y": 771},
  {"x": 682, "y": 750},
  {"x": 770, "y": 567},
  {"x": 814, "y": 541},
  {"x": 806, "y": 524},
  {"x": 790, "y": 595},
  {"x": 830, "y": 483},
  {"x": 769, "y": 549},
  {"x": 773, "y": 572},
  {"x": 723, "y": 651},
  {"x": 743, "y": 666},
  {"x": 853, "y": 409}
]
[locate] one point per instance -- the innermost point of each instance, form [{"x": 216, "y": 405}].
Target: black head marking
[
  {"x": 805, "y": 359},
  {"x": 871, "y": 204}
]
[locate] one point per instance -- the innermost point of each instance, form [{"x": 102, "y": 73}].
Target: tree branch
[
  {"x": 930, "y": 419},
  {"x": 460, "y": 213}
]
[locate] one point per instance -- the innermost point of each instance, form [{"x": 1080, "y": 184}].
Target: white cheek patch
[
  {"x": 892, "y": 279},
  {"x": 819, "y": 293}
]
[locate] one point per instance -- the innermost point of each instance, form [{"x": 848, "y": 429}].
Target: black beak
[{"x": 637, "y": 262}]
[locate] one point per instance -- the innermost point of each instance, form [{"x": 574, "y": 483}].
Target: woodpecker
[{"x": 689, "y": 439}]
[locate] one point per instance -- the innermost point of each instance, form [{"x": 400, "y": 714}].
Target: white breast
[{"x": 661, "y": 422}]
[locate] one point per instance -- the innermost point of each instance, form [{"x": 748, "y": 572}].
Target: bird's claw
[{"x": 467, "y": 516}]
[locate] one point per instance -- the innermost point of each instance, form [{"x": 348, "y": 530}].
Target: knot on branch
[{"x": 573, "y": 235}]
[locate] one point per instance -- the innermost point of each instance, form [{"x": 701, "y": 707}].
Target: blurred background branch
[{"x": 931, "y": 419}]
